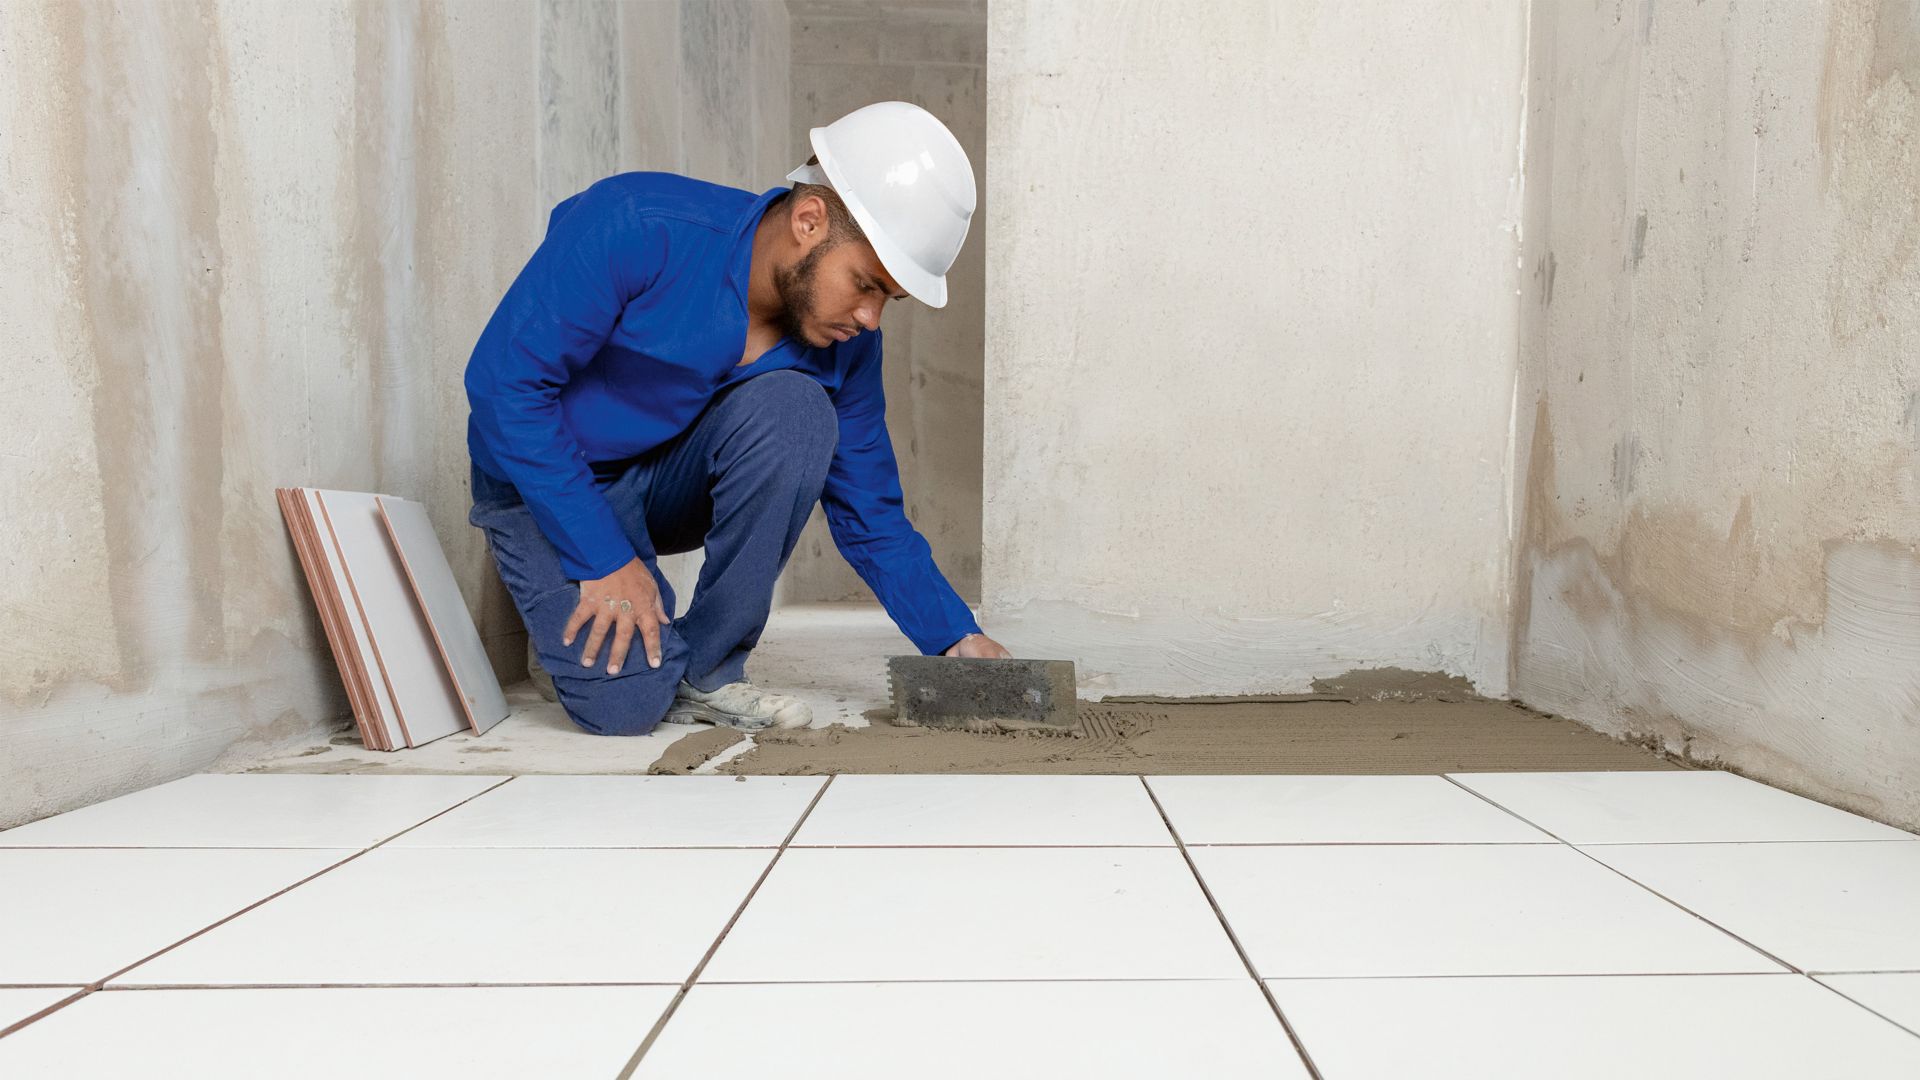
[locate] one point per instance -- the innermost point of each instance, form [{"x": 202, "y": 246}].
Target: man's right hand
[{"x": 621, "y": 601}]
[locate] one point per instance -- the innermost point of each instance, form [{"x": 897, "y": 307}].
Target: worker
[{"x": 683, "y": 365}]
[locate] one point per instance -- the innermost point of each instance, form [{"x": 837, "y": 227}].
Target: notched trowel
[{"x": 983, "y": 695}]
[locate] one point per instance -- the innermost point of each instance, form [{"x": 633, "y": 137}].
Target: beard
[{"x": 795, "y": 286}]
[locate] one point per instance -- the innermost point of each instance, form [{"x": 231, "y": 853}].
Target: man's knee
[
  {"x": 795, "y": 407},
  {"x": 615, "y": 705}
]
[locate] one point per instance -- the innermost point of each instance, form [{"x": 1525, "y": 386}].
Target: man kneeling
[{"x": 682, "y": 366}]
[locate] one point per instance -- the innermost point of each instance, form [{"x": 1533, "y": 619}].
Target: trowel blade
[{"x": 947, "y": 691}]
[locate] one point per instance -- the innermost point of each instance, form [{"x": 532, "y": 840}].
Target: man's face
[{"x": 833, "y": 292}]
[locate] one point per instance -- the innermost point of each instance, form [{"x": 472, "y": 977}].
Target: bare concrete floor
[{"x": 834, "y": 656}]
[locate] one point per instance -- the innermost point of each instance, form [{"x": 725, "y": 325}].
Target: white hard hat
[{"x": 907, "y": 182}]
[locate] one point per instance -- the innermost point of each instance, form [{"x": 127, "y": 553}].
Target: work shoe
[{"x": 739, "y": 705}]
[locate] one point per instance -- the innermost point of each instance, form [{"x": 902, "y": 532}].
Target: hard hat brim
[{"x": 929, "y": 289}]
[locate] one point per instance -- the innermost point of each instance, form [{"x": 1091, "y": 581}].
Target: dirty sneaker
[{"x": 738, "y": 705}]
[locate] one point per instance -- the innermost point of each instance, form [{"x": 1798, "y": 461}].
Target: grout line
[
  {"x": 122, "y": 988},
  {"x": 1380, "y": 843},
  {"x": 99, "y": 984},
  {"x": 992, "y": 981},
  {"x": 980, "y": 847},
  {"x": 1626, "y": 877},
  {"x": 188, "y": 847},
  {"x": 589, "y": 847},
  {"x": 1851, "y": 1000},
  {"x": 1525, "y": 843},
  {"x": 659, "y": 1025},
  {"x": 1266, "y": 991},
  {"x": 46, "y": 1012},
  {"x": 1548, "y": 975},
  {"x": 1742, "y": 843}
]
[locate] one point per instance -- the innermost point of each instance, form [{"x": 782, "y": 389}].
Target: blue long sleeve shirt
[{"x": 628, "y": 319}]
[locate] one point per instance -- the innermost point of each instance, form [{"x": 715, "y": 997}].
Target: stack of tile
[{"x": 407, "y": 649}]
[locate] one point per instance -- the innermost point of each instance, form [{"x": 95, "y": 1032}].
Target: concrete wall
[
  {"x": 704, "y": 92},
  {"x": 849, "y": 53},
  {"x": 250, "y": 245},
  {"x": 1721, "y": 431},
  {"x": 1251, "y": 338}
]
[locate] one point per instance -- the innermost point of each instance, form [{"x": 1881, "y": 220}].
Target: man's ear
[{"x": 809, "y": 221}]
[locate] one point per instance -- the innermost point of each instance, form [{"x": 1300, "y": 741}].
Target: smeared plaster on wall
[
  {"x": 270, "y": 234},
  {"x": 716, "y": 63},
  {"x": 1721, "y": 538},
  {"x": 55, "y": 621},
  {"x": 387, "y": 182},
  {"x": 1625, "y": 452},
  {"x": 142, "y": 198},
  {"x": 1197, "y": 653},
  {"x": 1869, "y": 138},
  {"x": 1825, "y": 708},
  {"x": 580, "y": 86},
  {"x": 1230, "y": 385},
  {"x": 850, "y": 53}
]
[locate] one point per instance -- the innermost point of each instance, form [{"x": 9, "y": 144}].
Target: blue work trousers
[{"x": 741, "y": 483}]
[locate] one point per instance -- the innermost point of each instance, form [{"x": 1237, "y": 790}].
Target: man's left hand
[{"x": 979, "y": 647}]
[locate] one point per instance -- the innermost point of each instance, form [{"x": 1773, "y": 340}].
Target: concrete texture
[
  {"x": 705, "y": 89},
  {"x": 251, "y": 244},
  {"x": 1251, "y": 338},
  {"x": 849, "y": 53},
  {"x": 1719, "y": 436}
]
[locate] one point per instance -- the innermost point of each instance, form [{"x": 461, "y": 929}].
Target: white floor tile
[
  {"x": 625, "y": 811},
  {"x": 1678, "y": 1027},
  {"x": 1042, "y": 1030},
  {"x": 1453, "y": 910},
  {"x": 1820, "y": 907},
  {"x": 16, "y": 1004},
  {"x": 1895, "y": 996},
  {"x": 1040, "y": 811},
  {"x": 77, "y": 916},
  {"x": 255, "y": 810},
  {"x": 1334, "y": 810},
  {"x": 496, "y": 915},
  {"x": 976, "y": 913},
  {"x": 1669, "y": 807},
  {"x": 366, "y": 1032}
]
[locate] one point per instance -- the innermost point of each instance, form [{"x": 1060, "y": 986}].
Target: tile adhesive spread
[{"x": 1390, "y": 723}]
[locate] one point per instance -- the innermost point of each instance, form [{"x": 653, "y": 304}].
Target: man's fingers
[
  {"x": 575, "y": 621},
  {"x": 622, "y": 640},
  {"x": 650, "y": 633},
  {"x": 601, "y": 620}
]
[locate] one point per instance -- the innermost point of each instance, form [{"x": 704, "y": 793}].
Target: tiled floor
[{"x": 1492, "y": 925}]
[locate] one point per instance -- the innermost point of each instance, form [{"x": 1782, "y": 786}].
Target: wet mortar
[{"x": 1320, "y": 733}]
